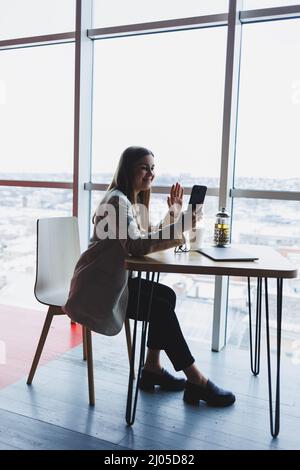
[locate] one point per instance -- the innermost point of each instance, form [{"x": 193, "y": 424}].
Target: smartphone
[{"x": 197, "y": 195}]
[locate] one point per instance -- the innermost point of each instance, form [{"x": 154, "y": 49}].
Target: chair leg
[
  {"x": 90, "y": 366},
  {"x": 40, "y": 346},
  {"x": 84, "y": 343},
  {"x": 128, "y": 341}
]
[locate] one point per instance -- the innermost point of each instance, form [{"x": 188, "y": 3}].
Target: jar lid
[{"x": 223, "y": 213}]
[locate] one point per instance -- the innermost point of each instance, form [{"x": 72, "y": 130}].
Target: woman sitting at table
[{"x": 102, "y": 293}]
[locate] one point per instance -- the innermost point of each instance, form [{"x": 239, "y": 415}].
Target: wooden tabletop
[{"x": 270, "y": 264}]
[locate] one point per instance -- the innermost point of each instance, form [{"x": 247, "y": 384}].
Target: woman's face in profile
[{"x": 143, "y": 174}]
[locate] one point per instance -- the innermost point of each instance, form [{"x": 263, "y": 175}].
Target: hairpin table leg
[
  {"x": 274, "y": 424},
  {"x": 131, "y": 407},
  {"x": 255, "y": 362}
]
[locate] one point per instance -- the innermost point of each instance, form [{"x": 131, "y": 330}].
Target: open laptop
[{"x": 228, "y": 253}]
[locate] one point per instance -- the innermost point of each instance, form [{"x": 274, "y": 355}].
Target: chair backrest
[{"x": 58, "y": 250}]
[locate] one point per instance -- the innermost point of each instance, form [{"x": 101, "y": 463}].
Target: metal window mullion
[
  {"x": 162, "y": 26},
  {"x": 34, "y": 41},
  {"x": 215, "y": 20},
  {"x": 37, "y": 184},
  {"x": 265, "y": 194},
  {"x": 270, "y": 14},
  {"x": 154, "y": 189},
  {"x": 227, "y": 159},
  {"x": 82, "y": 118}
]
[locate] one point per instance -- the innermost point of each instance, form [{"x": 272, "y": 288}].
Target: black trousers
[{"x": 164, "y": 330}]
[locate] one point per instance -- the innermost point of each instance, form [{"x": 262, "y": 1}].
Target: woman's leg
[
  {"x": 194, "y": 375},
  {"x": 152, "y": 362},
  {"x": 165, "y": 333},
  {"x": 164, "y": 329}
]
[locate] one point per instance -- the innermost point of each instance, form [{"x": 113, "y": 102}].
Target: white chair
[{"x": 58, "y": 250}]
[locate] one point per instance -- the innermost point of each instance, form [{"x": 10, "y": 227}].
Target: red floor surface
[{"x": 20, "y": 330}]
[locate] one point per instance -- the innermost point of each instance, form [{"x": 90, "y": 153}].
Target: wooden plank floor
[
  {"x": 54, "y": 413},
  {"x": 20, "y": 331}
]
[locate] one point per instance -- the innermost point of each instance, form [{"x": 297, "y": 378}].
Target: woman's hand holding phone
[
  {"x": 197, "y": 215},
  {"x": 196, "y": 203},
  {"x": 189, "y": 219}
]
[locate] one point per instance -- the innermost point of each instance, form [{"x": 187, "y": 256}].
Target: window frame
[{"x": 82, "y": 185}]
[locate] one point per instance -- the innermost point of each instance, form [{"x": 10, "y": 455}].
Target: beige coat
[{"x": 98, "y": 294}]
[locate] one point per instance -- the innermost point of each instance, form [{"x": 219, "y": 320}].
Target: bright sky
[
  {"x": 23, "y": 18},
  {"x": 253, "y": 4},
  {"x": 137, "y": 11},
  {"x": 162, "y": 91}
]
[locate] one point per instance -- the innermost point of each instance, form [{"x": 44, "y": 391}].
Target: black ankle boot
[
  {"x": 165, "y": 380},
  {"x": 211, "y": 394}
]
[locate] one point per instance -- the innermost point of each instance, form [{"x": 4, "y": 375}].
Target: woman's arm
[{"x": 115, "y": 220}]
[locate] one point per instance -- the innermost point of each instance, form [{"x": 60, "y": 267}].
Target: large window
[
  {"x": 119, "y": 12},
  {"x": 37, "y": 113},
  {"x": 164, "y": 92},
  {"x": 266, "y": 159},
  {"x": 19, "y": 210},
  {"x": 275, "y": 224},
  {"x": 26, "y": 18},
  {"x": 268, "y": 144}
]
